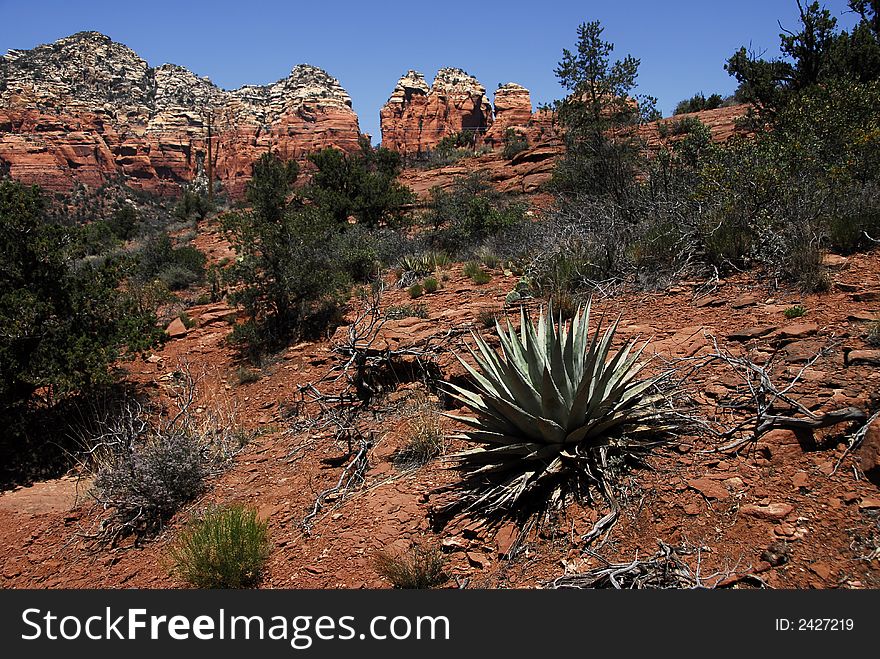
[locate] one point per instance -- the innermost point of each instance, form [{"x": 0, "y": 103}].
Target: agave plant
[{"x": 552, "y": 411}]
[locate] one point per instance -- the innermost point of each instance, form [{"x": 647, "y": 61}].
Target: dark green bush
[
  {"x": 431, "y": 285},
  {"x": 227, "y": 547},
  {"x": 177, "y": 267},
  {"x": 514, "y": 142},
  {"x": 698, "y": 103},
  {"x": 288, "y": 277},
  {"x": 63, "y": 320},
  {"x": 469, "y": 213}
]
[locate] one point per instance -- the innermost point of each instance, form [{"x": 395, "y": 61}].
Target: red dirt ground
[{"x": 732, "y": 506}]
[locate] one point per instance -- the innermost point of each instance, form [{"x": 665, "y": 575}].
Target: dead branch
[
  {"x": 351, "y": 478},
  {"x": 664, "y": 570}
]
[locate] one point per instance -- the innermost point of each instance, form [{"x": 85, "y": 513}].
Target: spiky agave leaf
[{"x": 554, "y": 394}]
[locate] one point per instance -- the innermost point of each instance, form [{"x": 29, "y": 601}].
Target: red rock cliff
[
  {"x": 88, "y": 109},
  {"x": 416, "y": 117}
]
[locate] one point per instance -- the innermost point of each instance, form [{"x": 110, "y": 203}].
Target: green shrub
[
  {"x": 488, "y": 258},
  {"x": 123, "y": 222},
  {"x": 431, "y": 285},
  {"x": 469, "y": 213},
  {"x": 63, "y": 319},
  {"x": 421, "y": 566},
  {"x": 416, "y": 291},
  {"x": 397, "y": 312},
  {"x": 177, "y": 278},
  {"x": 481, "y": 277},
  {"x": 796, "y": 311},
  {"x": 286, "y": 277},
  {"x": 176, "y": 267},
  {"x": 227, "y": 547},
  {"x": 698, "y": 103},
  {"x": 471, "y": 268},
  {"x": 514, "y": 143},
  {"x": 361, "y": 184}
]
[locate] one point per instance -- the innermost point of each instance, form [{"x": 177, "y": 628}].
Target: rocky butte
[
  {"x": 88, "y": 109},
  {"x": 417, "y": 117}
]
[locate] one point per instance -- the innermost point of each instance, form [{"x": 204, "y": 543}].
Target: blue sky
[{"x": 368, "y": 45}]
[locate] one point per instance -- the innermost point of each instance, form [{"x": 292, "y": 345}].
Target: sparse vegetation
[
  {"x": 698, "y": 103},
  {"x": 486, "y": 318},
  {"x": 416, "y": 291},
  {"x": 420, "y": 567},
  {"x": 225, "y": 547},
  {"x": 423, "y": 435},
  {"x": 872, "y": 336},
  {"x": 245, "y": 375},
  {"x": 431, "y": 285},
  {"x": 515, "y": 143},
  {"x": 471, "y": 212},
  {"x": 397, "y": 312},
  {"x": 795, "y": 311}
]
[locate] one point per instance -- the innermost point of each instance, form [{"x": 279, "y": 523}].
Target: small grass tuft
[
  {"x": 796, "y": 311},
  {"x": 245, "y": 375},
  {"x": 416, "y": 291},
  {"x": 226, "y": 548},
  {"x": 431, "y": 285},
  {"x": 400, "y": 311},
  {"x": 424, "y": 435},
  {"x": 486, "y": 317},
  {"x": 421, "y": 566}
]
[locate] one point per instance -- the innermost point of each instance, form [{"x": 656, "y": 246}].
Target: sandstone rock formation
[
  {"x": 416, "y": 117},
  {"x": 88, "y": 109},
  {"x": 513, "y": 109}
]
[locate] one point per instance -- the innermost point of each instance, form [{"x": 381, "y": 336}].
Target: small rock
[
  {"x": 797, "y": 331},
  {"x": 834, "y": 260},
  {"x": 784, "y": 530},
  {"x": 176, "y": 329},
  {"x": 751, "y": 333},
  {"x": 477, "y": 560},
  {"x": 692, "y": 509},
  {"x": 453, "y": 544},
  {"x": 869, "y": 357},
  {"x": 505, "y": 539},
  {"x": 709, "y": 302},
  {"x": 709, "y": 488},
  {"x": 869, "y": 504},
  {"x": 745, "y": 300},
  {"x": 866, "y": 296},
  {"x": 869, "y": 451},
  {"x": 801, "y": 479},
  {"x": 772, "y": 511},
  {"x": 822, "y": 570}
]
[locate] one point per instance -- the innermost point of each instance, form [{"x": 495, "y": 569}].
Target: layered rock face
[
  {"x": 86, "y": 109},
  {"x": 513, "y": 109},
  {"x": 417, "y": 117}
]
